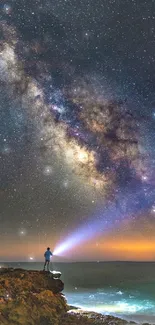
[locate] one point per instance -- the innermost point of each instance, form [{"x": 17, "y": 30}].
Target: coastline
[
  {"x": 97, "y": 318},
  {"x": 32, "y": 297},
  {"x": 105, "y": 318}
]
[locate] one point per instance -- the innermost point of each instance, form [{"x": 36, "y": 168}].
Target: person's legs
[
  {"x": 45, "y": 265},
  {"x": 48, "y": 265}
]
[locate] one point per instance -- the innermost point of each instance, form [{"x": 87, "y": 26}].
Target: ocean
[{"x": 122, "y": 289}]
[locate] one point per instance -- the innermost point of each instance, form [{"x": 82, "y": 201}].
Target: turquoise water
[
  {"x": 122, "y": 289},
  {"x": 122, "y": 303}
]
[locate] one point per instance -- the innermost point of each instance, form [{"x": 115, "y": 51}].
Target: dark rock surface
[{"x": 30, "y": 298}]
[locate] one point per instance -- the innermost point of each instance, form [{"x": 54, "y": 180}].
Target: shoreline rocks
[{"x": 97, "y": 318}]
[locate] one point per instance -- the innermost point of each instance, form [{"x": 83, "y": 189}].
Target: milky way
[
  {"x": 95, "y": 136},
  {"x": 65, "y": 116}
]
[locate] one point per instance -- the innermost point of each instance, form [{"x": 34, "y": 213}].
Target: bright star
[
  {"x": 153, "y": 209},
  {"x": 144, "y": 178},
  {"x": 48, "y": 170},
  {"x": 7, "y": 9},
  {"x": 22, "y": 232}
]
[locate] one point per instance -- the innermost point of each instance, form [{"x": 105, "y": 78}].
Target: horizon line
[{"x": 69, "y": 262}]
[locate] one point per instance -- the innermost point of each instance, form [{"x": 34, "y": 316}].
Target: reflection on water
[{"x": 116, "y": 303}]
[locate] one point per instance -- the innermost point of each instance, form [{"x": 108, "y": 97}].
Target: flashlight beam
[{"x": 105, "y": 220}]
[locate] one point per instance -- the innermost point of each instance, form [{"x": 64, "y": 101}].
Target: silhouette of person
[{"x": 47, "y": 256}]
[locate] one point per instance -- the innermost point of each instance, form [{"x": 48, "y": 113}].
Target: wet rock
[{"x": 79, "y": 316}]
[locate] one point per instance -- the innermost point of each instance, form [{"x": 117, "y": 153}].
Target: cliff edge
[{"x": 30, "y": 298}]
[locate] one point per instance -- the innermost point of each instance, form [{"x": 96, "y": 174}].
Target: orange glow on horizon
[
  {"x": 134, "y": 249},
  {"x": 134, "y": 246}
]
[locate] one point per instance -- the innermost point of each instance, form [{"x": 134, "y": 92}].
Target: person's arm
[{"x": 51, "y": 253}]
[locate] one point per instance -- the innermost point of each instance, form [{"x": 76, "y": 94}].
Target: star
[
  {"x": 66, "y": 183},
  {"x": 48, "y": 170},
  {"x": 6, "y": 150},
  {"x": 22, "y": 232},
  {"x": 144, "y": 178},
  {"x": 153, "y": 209},
  {"x": 7, "y": 9}
]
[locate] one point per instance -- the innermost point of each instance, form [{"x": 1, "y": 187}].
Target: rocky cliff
[
  {"x": 30, "y": 298},
  {"x": 35, "y": 298}
]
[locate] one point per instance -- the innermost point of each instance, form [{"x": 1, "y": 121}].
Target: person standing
[{"x": 47, "y": 256}]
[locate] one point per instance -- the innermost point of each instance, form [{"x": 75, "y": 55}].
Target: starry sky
[{"x": 77, "y": 129}]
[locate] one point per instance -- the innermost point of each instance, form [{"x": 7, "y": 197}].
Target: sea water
[{"x": 122, "y": 289}]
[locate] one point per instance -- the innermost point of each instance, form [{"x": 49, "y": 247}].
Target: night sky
[{"x": 77, "y": 129}]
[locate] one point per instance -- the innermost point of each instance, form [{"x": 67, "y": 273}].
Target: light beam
[{"x": 111, "y": 217}]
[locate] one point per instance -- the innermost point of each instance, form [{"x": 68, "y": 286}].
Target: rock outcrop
[{"x": 30, "y": 298}]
